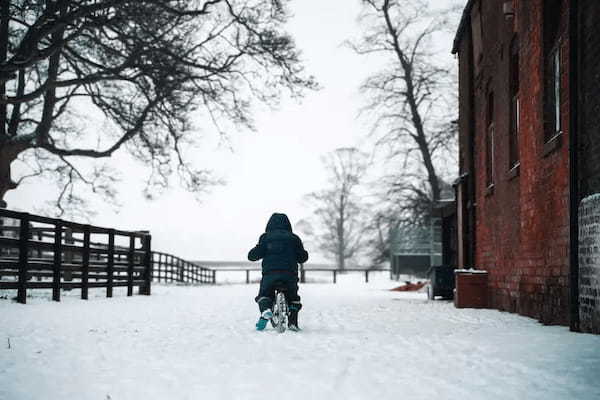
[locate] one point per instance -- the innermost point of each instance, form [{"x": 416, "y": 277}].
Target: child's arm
[
  {"x": 258, "y": 251},
  {"x": 301, "y": 254}
]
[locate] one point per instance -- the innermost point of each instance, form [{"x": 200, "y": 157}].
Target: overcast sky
[{"x": 266, "y": 171}]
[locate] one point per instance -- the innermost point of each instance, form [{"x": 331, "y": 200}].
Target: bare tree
[
  {"x": 412, "y": 98},
  {"x": 338, "y": 221},
  {"x": 398, "y": 206},
  {"x": 381, "y": 225},
  {"x": 146, "y": 66}
]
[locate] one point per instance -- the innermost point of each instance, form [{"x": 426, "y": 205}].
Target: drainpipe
[
  {"x": 573, "y": 167},
  {"x": 471, "y": 179}
]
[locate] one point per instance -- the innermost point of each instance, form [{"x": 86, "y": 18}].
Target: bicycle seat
[{"x": 280, "y": 287}]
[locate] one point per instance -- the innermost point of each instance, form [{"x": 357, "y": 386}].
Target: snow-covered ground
[{"x": 358, "y": 342}]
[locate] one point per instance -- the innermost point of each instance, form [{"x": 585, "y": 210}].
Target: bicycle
[{"x": 281, "y": 311}]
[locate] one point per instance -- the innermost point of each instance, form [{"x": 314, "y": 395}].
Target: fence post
[
  {"x": 158, "y": 270},
  {"x": 180, "y": 266},
  {"x": 214, "y": 276},
  {"x": 366, "y": 276},
  {"x": 167, "y": 269},
  {"x": 162, "y": 275},
  {"x": 57, "y": 262},
  {"x": 247, "y": 276},
  {"x": 110, "y": 263},
  {"x": 130, "y": 257},
  {"x": 23, "y": 258},
  {"x": 145, "y": 290},
  {"x": 68, "y": 274},
  {"x": 302, "y": 274},
  {"x": 40, "y": 252},
  {"x": 175, "y": 269},
  {"x": 334, "y": 276},
  {"x": 85, "y": 263}
]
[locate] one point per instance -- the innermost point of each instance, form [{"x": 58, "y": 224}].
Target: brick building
[{"x": 529, "y": 142}]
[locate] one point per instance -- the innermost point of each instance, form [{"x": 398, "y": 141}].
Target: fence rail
[
  {"x": 169, "y": 268},
  {"x": 302, "y": 271},
  {"x": 61, "y": 254}
]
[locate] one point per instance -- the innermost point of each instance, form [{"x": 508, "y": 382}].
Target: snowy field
[{"x": 358, "y": 342}]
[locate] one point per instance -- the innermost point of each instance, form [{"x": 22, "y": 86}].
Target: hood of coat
[{"x": 279, "y": 222}]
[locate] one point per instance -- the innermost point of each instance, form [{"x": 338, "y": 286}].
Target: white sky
[{"x": 268, "y": 171}]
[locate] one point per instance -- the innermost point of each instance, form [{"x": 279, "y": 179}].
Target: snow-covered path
[{"x": 358, "y": 342}]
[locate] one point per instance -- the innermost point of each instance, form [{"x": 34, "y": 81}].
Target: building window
[
  {"x": 553, "y": 93},
  {"x": 489, "y": 141},
  {"x": 513, "y": 139},
  {"x": 552, "y": 69}
]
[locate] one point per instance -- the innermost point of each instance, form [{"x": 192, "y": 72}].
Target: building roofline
[{"x": 464, "y": 20}]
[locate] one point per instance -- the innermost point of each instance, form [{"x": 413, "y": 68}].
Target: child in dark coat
[{"x": 281, "y": 251}]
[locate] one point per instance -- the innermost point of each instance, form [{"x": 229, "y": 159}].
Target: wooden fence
[
  {"x": 46, "y": 253},
  {"x": 168, "y": 268}
]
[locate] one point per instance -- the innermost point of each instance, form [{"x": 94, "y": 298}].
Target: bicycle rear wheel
[{"x": 280, "y": 312}]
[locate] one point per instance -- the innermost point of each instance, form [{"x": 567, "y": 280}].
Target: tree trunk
[
  {"x": 431, "y": 174},
  {"x": 8, "y": 154},
  {"x": 341, "y": 236},
  {"x": 420, "y": 136},
  {"x": 411, "y": 99},
  {"x": 4, "y": 19}
]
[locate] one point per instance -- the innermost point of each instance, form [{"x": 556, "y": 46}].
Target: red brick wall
[{"x": 522, "y": 225}]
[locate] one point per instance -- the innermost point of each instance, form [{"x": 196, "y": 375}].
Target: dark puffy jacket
[{"x": 279, "y": 248}]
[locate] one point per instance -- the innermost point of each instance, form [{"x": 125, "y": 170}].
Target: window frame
[
  {"x": 553, "y": 94},
  {"x": 489, "y": 141},
  {"x": 514, "y": 105},
  {"x": 552, "y": 70}
]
